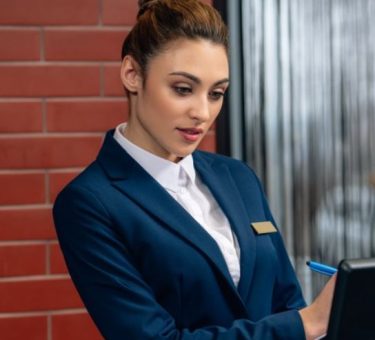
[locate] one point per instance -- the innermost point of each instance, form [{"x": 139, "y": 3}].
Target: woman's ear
[{"x": 130, "y": 74}]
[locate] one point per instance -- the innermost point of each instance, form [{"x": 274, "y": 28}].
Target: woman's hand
[{"x": 316, "y": 316}]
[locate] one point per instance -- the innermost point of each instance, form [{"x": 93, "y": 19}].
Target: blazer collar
[
  {"x": 164, "y": 171},
  {"x": 131, "y": 179}
]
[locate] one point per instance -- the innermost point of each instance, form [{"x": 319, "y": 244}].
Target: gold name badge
[{"x": 263, "y": 227}]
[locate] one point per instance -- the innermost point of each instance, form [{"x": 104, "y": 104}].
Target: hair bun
[
  {"x": 142, "y": 3},
  {"x": 145, "y": 5}
]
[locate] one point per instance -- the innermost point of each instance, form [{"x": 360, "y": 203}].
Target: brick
[
  {"x": 22, "y": 260},
  {"x": 112, "y": 81},
  {"x": 31, "y": 327},
  {"x": 84, "y": 45},
  {"x": 209, "y": 142},
  {"x": 57, "y": 181},
  {"x": 49, "y": 12},
  {"x": 90, "y": 116},
  {"x": 19, "y": 44},
  {"x": 49, "y": 80},
  {"x": 57, "y": 262},
  {"x": 48, "y": 152},
  {"x": 25, "y": 116},
  {"x": 74, "y": 327},
  {"x": 22, "y": 188},
  {"x": 38, "y": 295},
  {"x": 119, "y": 12},
  {"x": 26, "y": 224}
]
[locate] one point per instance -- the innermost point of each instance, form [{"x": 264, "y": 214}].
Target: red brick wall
[{"x": 59, "y": 92}]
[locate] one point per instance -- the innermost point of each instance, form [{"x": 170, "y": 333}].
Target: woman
[{"x": 162, "y": 241}]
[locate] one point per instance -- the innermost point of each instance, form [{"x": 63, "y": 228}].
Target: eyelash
[
  {"x": 184, "y": 91},
  {"x": 216, "y": 95}
]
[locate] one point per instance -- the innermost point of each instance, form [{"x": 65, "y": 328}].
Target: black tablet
[{"x": 353, "y": 307}]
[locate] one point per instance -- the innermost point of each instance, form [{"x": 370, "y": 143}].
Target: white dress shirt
[{"x": 182, "y": 183}]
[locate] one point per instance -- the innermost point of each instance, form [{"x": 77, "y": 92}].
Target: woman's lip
[
  {"x": 193, "y": 131},
  {"x": 190, "y": 134}
]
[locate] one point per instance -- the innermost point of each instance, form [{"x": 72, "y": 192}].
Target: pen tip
[{"x": 307, "y": 262}]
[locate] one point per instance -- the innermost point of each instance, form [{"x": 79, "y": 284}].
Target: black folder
[{"x": 353, "y": 307}]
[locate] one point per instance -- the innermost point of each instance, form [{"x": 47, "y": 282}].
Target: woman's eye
[
  {"x": 216, "y": 95},
  {"x": 182, "y": 90}
]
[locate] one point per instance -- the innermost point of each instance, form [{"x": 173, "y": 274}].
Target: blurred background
[{"x": 300, "y": 111}]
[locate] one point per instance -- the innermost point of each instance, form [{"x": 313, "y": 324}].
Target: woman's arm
[{"x": 315, "y": 317}]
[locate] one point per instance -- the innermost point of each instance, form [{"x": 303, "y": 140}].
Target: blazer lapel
[
  {"x": 133, "y": 181},
  {"x": 157, "y": 202},
  {"x": 220, "y": 182}
]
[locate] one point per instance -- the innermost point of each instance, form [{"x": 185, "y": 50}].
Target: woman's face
[{"x": 181, "y": 97}]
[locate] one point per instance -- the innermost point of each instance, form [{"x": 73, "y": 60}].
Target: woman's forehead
[{"x": 192, "y": 56}]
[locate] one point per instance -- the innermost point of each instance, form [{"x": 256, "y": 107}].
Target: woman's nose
[{"x": 201, "y": 110}]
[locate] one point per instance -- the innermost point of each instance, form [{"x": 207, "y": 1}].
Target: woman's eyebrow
[{"x": 196, "y": 79}]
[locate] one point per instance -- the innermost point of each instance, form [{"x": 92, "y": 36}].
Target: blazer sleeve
[
  {"x": 120, "y": 302},
  {"x": 287, "y": 293}
]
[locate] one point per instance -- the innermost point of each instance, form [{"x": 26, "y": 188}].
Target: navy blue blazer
[{"x": 145, "y": 269}]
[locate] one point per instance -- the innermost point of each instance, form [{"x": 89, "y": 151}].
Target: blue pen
[{"x": 321, "y": 268}]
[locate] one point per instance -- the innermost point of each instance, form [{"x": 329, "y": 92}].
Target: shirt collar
[{"x": 168, "y": 174}]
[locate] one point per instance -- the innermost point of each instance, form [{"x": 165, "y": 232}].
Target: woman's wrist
[{"x": 314, "y": 323}]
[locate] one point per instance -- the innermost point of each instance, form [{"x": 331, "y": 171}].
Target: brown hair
[{"x": 162, "y": 21}]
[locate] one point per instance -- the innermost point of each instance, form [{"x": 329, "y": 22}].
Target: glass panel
[{"x": 309, "y": 73}]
